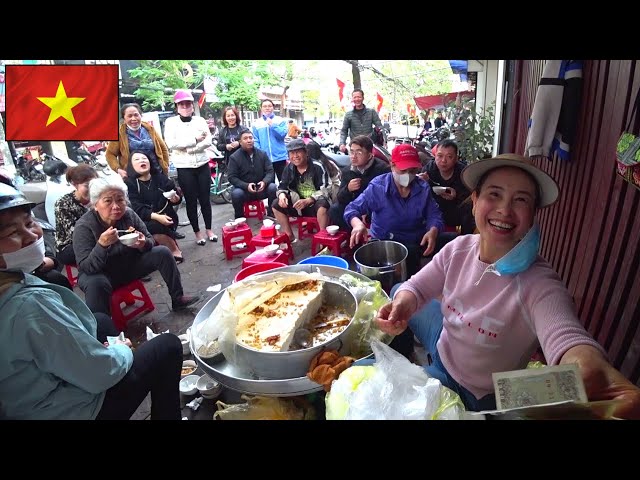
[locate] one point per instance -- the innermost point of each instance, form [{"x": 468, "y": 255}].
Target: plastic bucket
[
  {"x": 330, "y": 260},
  {"x": 257, "y": 268}
]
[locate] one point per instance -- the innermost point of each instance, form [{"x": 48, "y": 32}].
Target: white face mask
[
  {"x": 404, "y": 179},
  {"x": 26, "y": 259},
  {"x": 134, "y": 129}
]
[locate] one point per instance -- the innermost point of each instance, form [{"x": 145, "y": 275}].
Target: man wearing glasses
[{"x": 355, "y": 178}]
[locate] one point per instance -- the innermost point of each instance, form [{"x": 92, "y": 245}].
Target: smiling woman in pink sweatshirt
[{"x": 498, "y": 299}]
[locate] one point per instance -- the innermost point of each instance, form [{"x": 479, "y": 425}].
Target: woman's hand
[
  {"x": 429, "y": 239},
  {"x": 393, "y": 318},
  {"x": 603, "y": 382},
  {"x": 108, "y": 237},
  {"x": 165, "y": 220},
  {"x": 123, "y": 173},
  {"x": 141, "y": 242}
]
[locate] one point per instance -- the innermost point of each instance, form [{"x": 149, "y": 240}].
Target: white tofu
[{"x": 270, "y": 327}]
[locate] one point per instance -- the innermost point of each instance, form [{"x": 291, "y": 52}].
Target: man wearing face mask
[
  {"x": 401, "y": 209},
  {"x": 56, "y": 361}
]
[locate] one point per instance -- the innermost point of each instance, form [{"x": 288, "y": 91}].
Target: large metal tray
[{"x": 235, "y": 378}]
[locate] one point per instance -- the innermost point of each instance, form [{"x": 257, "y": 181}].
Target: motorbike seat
[{"x": 54, "y": 168}]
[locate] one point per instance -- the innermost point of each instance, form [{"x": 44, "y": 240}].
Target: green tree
[{"x": 238, "y": 82}]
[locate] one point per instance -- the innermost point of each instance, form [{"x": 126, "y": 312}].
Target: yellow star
[{"x": 61, "y": 105}]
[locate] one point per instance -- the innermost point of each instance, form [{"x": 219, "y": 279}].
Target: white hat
[{"x": 547, "y": 186}]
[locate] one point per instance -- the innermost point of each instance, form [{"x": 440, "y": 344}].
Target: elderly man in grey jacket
[{"x": 359, "y": 121}]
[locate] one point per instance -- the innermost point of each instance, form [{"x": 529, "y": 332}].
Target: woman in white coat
[{"x": 188, "y": 136}]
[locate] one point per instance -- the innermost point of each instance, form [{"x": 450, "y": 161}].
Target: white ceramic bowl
[
  {"x": 332, "y": 229},
  {"x": 129, "y": 238},
  {"x": 188, "y": 384},
  {"x": 240, "y": 221},
  {"x": 271, "y": 250},
  {"x": 267, "y": 223},
  {"x": 188, "y": 367},
  {"x": 231, "y": 225},
  {"x": 439, "y": 190},
  {"x": 184, "y": 339},
  {"x": 208, "y": 387},
  {"x": 169, "y": 194}
]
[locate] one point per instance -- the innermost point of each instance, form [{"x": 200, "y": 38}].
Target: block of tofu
[{"x": 270, "y": 326}]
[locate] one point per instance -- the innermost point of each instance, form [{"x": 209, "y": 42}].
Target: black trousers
[
  {"x": 196, "y": 186},
  {"x": 98, "y": 287},
  {"x": 336, "y": 214},
  {"x": 66, "y": 256},
  {"x": 156, "y": 370},
  {"x": 278, "y": 167}
]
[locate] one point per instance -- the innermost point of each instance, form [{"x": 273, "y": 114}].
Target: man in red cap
[{"x": 401, "y": 208}]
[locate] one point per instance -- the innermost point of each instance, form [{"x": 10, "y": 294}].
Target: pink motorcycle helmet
[{"x": 182, "y": 96}]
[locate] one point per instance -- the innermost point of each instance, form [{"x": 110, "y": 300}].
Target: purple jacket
[{"x": 404, "y": 220}]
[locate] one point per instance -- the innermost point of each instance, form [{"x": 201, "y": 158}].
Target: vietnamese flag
[
  {"x": 380, "y": 100},
  {"x": 202, "y": 99},
  {"x": 62, "y": 102}
]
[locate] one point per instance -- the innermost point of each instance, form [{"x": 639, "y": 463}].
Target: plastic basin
[{"x": 330, "y": 260}]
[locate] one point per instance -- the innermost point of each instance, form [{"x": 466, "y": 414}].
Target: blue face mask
[{"x": 520, "y": 257}]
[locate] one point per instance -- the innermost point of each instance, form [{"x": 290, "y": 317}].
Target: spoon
[{"x": 302, "y": 338}]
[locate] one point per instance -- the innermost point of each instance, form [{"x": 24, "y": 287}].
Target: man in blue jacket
[{"x": 268, "y": 132}]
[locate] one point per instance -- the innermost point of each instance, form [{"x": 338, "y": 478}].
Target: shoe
[
  {"x": 213, "y": 238},
  {"x": 178, "y": 260},
  {"x": 179, "y": 236},
  {"x": 201, "y": 242},
  {"x": 184, "y": 301}
]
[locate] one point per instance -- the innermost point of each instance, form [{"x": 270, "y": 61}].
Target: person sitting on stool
[{"x": 251, "y": 173}]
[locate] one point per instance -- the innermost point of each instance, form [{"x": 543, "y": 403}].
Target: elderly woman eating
[{"x": 105, "y": 263}]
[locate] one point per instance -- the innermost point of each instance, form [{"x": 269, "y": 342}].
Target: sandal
[
  {"x": 201, "y": 242},
  {"x": 213, "y": 238},
  {"x": 178, "y": 260}
]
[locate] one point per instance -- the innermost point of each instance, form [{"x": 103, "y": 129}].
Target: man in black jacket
[
  {"x": 355, "y": 178},
  {"x": 251, "y": 173}
]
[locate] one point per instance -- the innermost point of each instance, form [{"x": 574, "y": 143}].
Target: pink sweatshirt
[{"x": 495, "y": 326}]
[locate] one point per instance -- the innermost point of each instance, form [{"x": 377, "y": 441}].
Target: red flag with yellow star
[{"x": 61, "y": 102}]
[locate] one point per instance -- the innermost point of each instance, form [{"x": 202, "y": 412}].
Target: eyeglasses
[{"x": 357, "y": 153}]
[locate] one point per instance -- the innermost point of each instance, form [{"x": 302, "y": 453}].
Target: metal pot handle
[{"x": 382, "y": 272}]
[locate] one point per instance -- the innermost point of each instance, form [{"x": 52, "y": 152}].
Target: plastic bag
[
  {"x": 392, "y": 389},
  {"x": 266, "y": 408}
]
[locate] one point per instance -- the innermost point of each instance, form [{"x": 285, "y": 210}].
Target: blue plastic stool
[{"x": 326, "y": 260}]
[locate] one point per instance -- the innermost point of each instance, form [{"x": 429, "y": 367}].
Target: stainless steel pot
[
  {"x": 235, "y": 378},
  {"x": 383, "y": 260}
]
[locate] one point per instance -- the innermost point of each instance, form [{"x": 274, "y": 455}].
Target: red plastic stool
[
  {"x": 260, "y": 241},
  {"x": 259, "y": 256},
  {"x": 73, "y": 279},
  {"x": 258, "y": 211},
  {"x": 126, "y": 295},
  {"x": 236, "y": 241},
  {"x": 257, "y": 268},
  {"x": 334, "y": 242},
  {"x": 307, "y": 227}
]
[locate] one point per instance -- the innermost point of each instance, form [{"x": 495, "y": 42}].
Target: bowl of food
[
  {"x": 169, "y": 194},
  {"x": 128, "y": 239},
  {"x": 188, "y": 367},
  {"x": 272, "y": 249},
  {"x": 240, "y": 221},
  {"x": 208, "y": 387},
  {"x": 279, "y": 338},
  {"x": 332, "y": 229},
  {"x": 440, "y": 190},
  {"x": 188, "y": 384},
  {"x": 231, "y": 225}
]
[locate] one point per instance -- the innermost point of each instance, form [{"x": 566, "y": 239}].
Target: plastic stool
[
  {"x": 259, "y": 256},
  {"x": 260, "y": 241},
  {"x": 73, "y": 279},
  {"x": 258, "y": 211},
  {"x": 126, "y": 294},
  {"x": 307, "y": 227},
  {"x": 240, "y": 238},
  {"x": 334, "y": 242}
]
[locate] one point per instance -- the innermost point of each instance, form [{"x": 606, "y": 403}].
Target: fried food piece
[{"x": 327, "y": 366}]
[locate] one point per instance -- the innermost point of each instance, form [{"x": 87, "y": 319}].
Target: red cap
[{"x": 405, "y": 156}]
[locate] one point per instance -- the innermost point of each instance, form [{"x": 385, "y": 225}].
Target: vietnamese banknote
[{"x": 538, "y": 386}]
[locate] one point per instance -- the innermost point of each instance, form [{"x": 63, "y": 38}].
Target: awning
[
  {"x": 460, "y": 67},
  {"x": 440, "y": 101}
]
